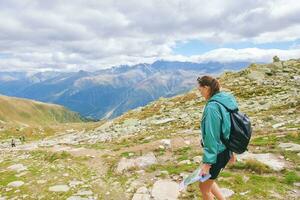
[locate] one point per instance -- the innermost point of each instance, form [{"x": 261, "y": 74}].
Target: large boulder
[
  {"x": 290, "y": 147},
  {"x": 165, "y": 190},
  {"x": 140, "y": 162},
  {"x": 268, "y": 159}
]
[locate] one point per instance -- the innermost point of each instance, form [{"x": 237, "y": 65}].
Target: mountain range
[{"x": 108, "y": 93}]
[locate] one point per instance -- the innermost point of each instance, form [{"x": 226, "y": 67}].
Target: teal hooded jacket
[{"x": 216, "y": 119}]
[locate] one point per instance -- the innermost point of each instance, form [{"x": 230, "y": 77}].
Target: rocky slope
[{"x": 146, "y": 152}]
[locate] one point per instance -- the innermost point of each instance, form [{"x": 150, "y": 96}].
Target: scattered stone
[
  {"x": 165, "y": 190},
  {"x": 278, "y": 125},
  {"x": 197, "y": 159},
  {"x": 15, "y": 184},
  {"x": 185, "y": 162},
  {"x": 297, "y": 184},
  {"x": 142, "y": 194},
  {"x": 244, "y": 193},
  {"x": 290, "y": 147},
  {"x": 267, "y": 158},
  {"x": 17, "y": 167},
  {"x": 77, "y": 198},
  {"x": 75, "y": 183},
  {"x": 166, "y": 143},
  {"x": 84, "y": 193},
  {"x": 163, "y": 121},
  {"x": 41, "y": 181},
  {"x": 227, "y": 192},
  {"x": 142, "y": 161},
  {"x": 59, "y": 188},
  {"x": 21, "y": 174}
]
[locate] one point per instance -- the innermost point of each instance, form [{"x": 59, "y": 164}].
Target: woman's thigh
[{"x": 206, "y": 186}]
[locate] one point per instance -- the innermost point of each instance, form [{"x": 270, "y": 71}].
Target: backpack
[{"x": 240, "y": 131}]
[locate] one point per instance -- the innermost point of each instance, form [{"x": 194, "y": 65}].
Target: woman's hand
[
  {"x": 205, "y": 169},
  {"x": 232, "y": 158}
]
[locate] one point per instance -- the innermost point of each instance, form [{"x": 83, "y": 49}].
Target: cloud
[{"x": 64, "y": 35}]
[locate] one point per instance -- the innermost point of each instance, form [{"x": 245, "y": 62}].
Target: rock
[
  {"x": 185, "y": 162},
  {"x": 77, "y": 198},
  {"x": 142, "y": 194},
  {"x": 142, "y": 161},
  {"x": 197, "y": 159},
  {"x": 41, "y": 181},
  {"x": 227, "y": 192},
  {"x": 267, "y": 158},
  {"x": 165, "y": 190},
  {"x": 59, "y": 188},
  {"x": 84, "y": 193},
  {"x": 166, "y": 143},
  {"x": 141, "y": 197},
  {"x": 15, "y": 184},
  {"x": 17, "y": 167},
  {"x": 75, "y": 183},
  {"x": 290, "y": 147},
  {"x": 278, "y": 125},
  {"x": 297, "y": 184},
  {"x": 163, "y": 121},
  {"x": 187, "y": 142},
  {"x": 244, "y": 193}
]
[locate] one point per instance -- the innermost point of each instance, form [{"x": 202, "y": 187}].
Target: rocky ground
[{"x": 145, "y": 153}]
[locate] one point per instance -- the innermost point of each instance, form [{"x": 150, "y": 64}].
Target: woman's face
[{"x": 205, "y": 91}]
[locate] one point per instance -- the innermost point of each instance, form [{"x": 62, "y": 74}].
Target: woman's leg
[
  {"x": 217, "y": 192},
  {"x": 206, "y": 188}
]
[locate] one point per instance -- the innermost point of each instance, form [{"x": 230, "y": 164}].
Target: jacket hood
[{"x": 225, "y": 98}]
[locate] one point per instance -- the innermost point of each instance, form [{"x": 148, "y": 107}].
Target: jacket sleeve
[{"x": 211, "y": 134}]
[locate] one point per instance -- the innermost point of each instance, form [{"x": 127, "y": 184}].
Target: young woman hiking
[{"x": 215, "y": 121}]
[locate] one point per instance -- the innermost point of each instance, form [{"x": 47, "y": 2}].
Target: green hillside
[{"x": 28, "y": 112}]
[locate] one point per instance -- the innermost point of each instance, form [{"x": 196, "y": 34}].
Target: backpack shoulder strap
[{"x": 229, "y": 110}]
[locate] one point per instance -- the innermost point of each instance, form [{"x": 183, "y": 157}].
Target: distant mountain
[
  {"x": 110, "y": 92},
  {"x": 23, "y": 111}
]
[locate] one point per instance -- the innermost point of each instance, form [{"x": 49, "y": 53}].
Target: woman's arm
[{"x": 211, "y": 134}]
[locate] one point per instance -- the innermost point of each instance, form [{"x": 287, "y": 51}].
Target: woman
[{"x": 215, "y": 121}]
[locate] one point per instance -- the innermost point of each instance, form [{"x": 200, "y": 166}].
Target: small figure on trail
[{"x": 13, "y": 144}]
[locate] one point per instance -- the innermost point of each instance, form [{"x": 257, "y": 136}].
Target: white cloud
[
  {"x": 64, "y": 35},
  {"x": 247, "y": 54}
]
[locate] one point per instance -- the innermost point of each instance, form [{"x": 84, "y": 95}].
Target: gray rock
[
  {"x": 185, "y": 162},
  {"x": 84, "y": 193},
  {"x": 227, "y": 192},
  {"x": 141, "y": 197},
  {"x": 267, "y": 158},
  {"x": 290, "y": 147},
  {"x": 166, "y": 143},
  {"x": 278, "y": 125},
  {"x": 17, "y": 167},
  {"x": 163, "y": 121},
  {"x": 77, "y": 198},
  {"x": 197, "y": 159},
  {"x": 75, "y": 183},
  {"x": 59, "y": 188},
  {"x": 297, "y": 184},
  {"x": 165, "y": 190},
  {"x": 15, "y": 184},
  {"x": 142, "y": 194},
  {"x": 142, "y": 161}
]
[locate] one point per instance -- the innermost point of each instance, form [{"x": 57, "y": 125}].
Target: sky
[{"x": 95, "y": 34}]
